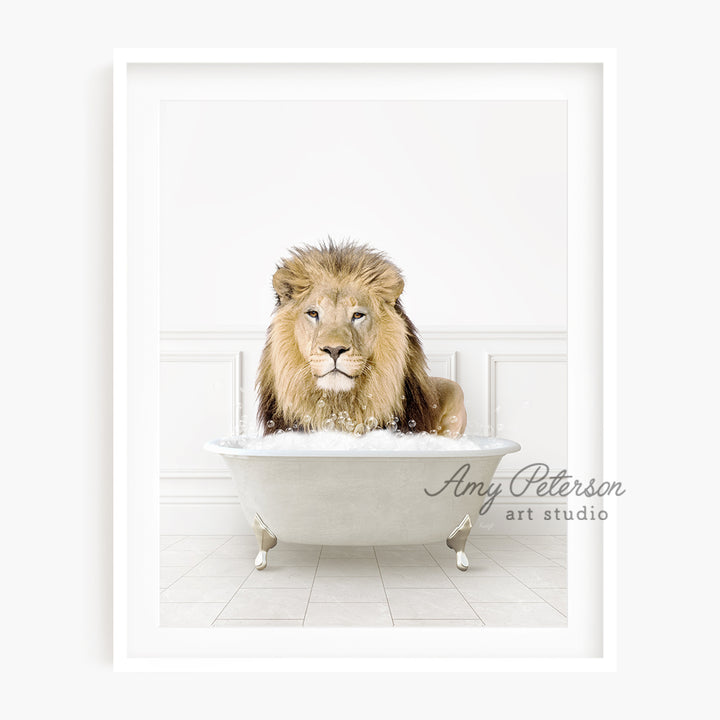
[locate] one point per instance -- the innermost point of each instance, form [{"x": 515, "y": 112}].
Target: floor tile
[
  {"x": 541, "y": 577},
  {"x": 545, "y": 540},
  {"x": 347, "y": 567},
  {"x": 278, "y": 576},
  {"x": 264, "y": 603},
  {"x": 167, "y": 540},
  {"x": 494, "y": 542},
  {"x": 292, "y": 557},
  {"x": 168, "y": 575},
  {"x": 550, "y": 552},
  {"x": 447, "y": 622},
  {"x": 414, "y": 576},
  {"x": 348, "y": 614},
  {"x": 201, "y": 589},
  {"x": 404, "y": 555},
  {"x": 248, "y": 622},
  {"x": 519, "y": 614},
  {"x": 236, "y": 550},
  {"x": 204, "y": 543},
  {"x": 479, "y": 567},
  {"x": 348, "y": 589},
  {"x": 494, "y": 589},
  {"x": 427, "y": 604},
  {"x": 223, "y": 567},
  {"x": 348, "y": 551},
  {"x": 524, "y": 558},
  {"x": 188, "y": 614},
  {"x": 179, "y": 558},
  {"x": 557, "y": 598}
]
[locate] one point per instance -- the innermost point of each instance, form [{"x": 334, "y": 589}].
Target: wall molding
[
  {"x": 200, "y": 499},
  {"x": 235, "y": 361},
  {"x": 481, "y": 332}
]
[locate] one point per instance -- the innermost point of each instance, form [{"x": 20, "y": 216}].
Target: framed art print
[{"x": 364, "y": 359}]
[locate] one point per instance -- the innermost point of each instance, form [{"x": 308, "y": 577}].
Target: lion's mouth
[{"x": 336, "y": 370}]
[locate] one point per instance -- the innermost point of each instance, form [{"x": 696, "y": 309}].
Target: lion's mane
[{"x": 394, "y": 388}]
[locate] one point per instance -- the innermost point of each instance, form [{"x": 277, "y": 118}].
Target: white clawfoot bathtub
[{"x": 363, "y": 497}]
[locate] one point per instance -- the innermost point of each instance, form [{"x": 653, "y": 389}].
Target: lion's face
[{"x": 336, "y": 334}]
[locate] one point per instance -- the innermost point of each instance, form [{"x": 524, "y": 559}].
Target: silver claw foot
[
  {"x": 266, "y": 541},
  {"x": 456, "y": 541}
]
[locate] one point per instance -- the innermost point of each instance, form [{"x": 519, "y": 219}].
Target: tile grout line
[
  {"x": 207, "y": 555},
  {"x": 232, "y": 597},
  {"x": 312, "y": 586},
  {"x": 382, "y": 581}
]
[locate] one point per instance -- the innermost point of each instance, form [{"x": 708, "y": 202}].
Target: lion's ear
[
  {"x": 288, "y": 284},
  {"x": 282, "y": 284},
  {"x": 390, "y": 285}
]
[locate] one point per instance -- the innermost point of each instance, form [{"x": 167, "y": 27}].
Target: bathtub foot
[
  {"x": 266, "y": 540},
  {"x": 456, "y": 541}
]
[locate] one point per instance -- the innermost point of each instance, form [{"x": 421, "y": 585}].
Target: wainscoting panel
[{"x": 514, "y": 380}]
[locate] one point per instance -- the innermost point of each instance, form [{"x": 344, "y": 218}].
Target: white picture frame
[{"x": 588, "y": 643}]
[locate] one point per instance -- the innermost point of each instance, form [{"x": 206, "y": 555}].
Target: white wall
[
  {"x": 468, "y": 196},
  {"x": 56, "y": 293}
]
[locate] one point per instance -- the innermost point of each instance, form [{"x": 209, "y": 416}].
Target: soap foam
[{"x": 384, "y": 440}]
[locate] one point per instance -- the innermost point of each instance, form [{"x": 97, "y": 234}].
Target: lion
[{"x": 341, "y": 353}]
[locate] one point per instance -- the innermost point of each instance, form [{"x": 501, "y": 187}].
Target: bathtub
[{"x": 362, "y": 497}]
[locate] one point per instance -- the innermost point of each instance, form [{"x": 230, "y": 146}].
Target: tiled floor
[{"x": 513, "y": 581}]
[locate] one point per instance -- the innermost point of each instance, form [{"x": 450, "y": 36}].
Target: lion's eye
[
  {"x": 313, "y": 314},
  {"x": 358, "y": 315}
]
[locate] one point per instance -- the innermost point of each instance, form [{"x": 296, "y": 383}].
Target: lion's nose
[{"x": 335, "y": 352}]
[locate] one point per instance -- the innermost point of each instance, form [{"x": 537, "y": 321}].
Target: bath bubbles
[
  {"x": 328, "y": 425},
  {"x": 271, "y": 424},
  {"x": 384, "y": 441},
  {"x": 453, "y": 419},
  {"x": 321, "y": 403},
  {"x": 279, "y": 431},
  {"x": 412, "y": 424},
  {"x": 434, "y": 406},
  {"x": 392, "y": 426},
  {"x": 307, "y": 420},
  {"x": 371, "y": 423}
]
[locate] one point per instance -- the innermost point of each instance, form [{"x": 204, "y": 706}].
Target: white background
[
  {"x": 56, "y": 296},
  {"x": 467, "y": 197}
]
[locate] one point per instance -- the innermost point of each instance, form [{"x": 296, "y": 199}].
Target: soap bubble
[
  {"x": 392, "y": 426},
  {"x": 359, "y": 429},
  {"x": 321, "y": 403},
  {"x": 434, "y": 406},
  {"x": 411, "y": 424},
  {"x": 453, "y": 419},
  {"x": 279, "y": 431},
  {"x": 271, "y": 423},
  {"x": 402, "y": 397},
  {"x": 328, "y": 424},
  {"x": 307, "y": 420},
  {"x": 371, "y": 423}
]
